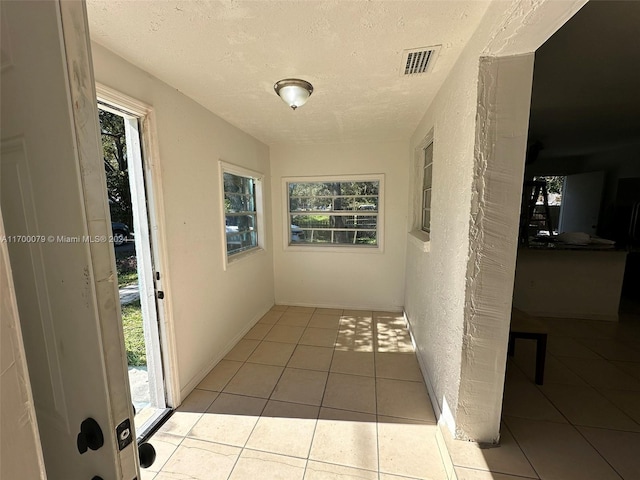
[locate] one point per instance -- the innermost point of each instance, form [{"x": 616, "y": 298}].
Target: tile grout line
[
  {"x": 577, "y": 340},
  {"x": 201, "y": 415},
  {"x": 588, "y": 385},
  {"x": 324, "y": 391},
  {"x": 513, "y": 435},
  {"x": 170, "y": 456},
  {"x": 184, "y": 436},
  {"x": 599, "y": 390},
  {"x": 499, "y": 473},
  {"x": 270, "y": 399},
  {"x": 594, "y": 388},
  {"x": 242, "y": 449},
  {"x": 601, "y": 359},
  {"x": 374, "y": 342},
  {"x": 316, "y": 424},
  {"x": 601, "y": 455}
]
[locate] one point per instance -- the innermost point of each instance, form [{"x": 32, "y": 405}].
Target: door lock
[
  {"x": 124, "y": 434},
  {"x": 90, "y": 436}
]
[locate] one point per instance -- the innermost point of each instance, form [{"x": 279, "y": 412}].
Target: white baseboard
[
  {"x": 395, "y": 308},
  {"x": 423, "y": 370},
  {"x": 444, "y": 416},
  {"x": 444, "y": 419}
]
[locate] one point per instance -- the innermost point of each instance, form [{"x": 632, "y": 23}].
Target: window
[
  {"x": 426, "y": 188},
  {"x": 342, "y": 211},
  {"x": 242, "y": 209},
  {"x": 555, "y": 188},
  {"x": 543, "y": 211}
]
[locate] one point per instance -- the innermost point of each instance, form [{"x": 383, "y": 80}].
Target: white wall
[
  {"x": 435, "y": 279},
  {"x": 458, "y": 314},
  {"x": 335, "y": 278},
  {"x": 210, "y": 307}
]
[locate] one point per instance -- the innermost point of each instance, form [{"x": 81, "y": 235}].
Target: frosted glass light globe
[{"x": 294, "y": 92}]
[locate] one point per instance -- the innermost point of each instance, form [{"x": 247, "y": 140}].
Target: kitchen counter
[{"x": 569, "y": 281}]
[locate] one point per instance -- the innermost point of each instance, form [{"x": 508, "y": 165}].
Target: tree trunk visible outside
[{"x": 338, "y": 221}]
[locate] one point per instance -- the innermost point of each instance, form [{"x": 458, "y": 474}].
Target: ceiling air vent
[{"x": 418, "y": 60}]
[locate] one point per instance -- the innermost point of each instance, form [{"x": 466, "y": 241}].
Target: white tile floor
[
  {"x": 583, "y": 423},
  {"x": 329, "y": 394},
  {"x": 307, "y": 394}
]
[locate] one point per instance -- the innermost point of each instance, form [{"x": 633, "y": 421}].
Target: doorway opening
[
  {"x": 138, "y": 275},
  {"x": 573, "y": 285}
]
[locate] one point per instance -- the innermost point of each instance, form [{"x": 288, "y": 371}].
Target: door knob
[
  {"x": 147, "y": 455},
  {"x": 90, "y": 436}
]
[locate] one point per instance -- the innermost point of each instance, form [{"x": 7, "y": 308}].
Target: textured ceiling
[{"x": 227, "y": 55}]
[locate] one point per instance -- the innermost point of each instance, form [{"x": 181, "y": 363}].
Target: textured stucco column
[
  {"x": 504, "y": 96},
  {"x": 458, "y": 286}
]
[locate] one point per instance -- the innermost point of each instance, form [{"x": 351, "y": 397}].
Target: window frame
[
  {"x": 258, "y": 178},
  {"x": 347, "y": 248},
  {"x": 425, "y": 188},
  {"x": 417, "y": 236}
]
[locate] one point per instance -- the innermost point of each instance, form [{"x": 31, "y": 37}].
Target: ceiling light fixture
[{"x": 293, "y": 91}]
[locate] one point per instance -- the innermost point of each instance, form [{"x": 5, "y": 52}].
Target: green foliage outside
[
  {"x": 554, "y": 183},
  {"x": 333, "y": 195},
  {"x": 114, "y": 146},
  {"x": 127, "y": 268},
  {"x": 311, "y": 204},
  {"x": 129, "y": 278},
  {"x": 134, "y": 334},
  {"x": 315, "y": 221}
]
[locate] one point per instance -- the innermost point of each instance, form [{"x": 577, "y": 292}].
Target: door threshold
[{"x": 152, "y": 423}]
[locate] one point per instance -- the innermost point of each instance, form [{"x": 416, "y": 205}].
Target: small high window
[
  {"x": 426, "y": 188},
  {"x": 343, "y": 211}
]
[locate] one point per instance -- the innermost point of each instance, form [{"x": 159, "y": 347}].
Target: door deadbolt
[{"x": 90, "y": 436}]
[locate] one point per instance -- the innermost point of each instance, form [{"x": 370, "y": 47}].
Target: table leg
[
  {"x": 541, "y": 353},
  {"x": 511, "y": 349}
]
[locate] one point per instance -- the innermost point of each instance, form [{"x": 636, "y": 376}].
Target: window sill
[
  {"x": 421, "y": 240},
  {"x": 239, "y": 257},
  {"x": 333, "y": 249}
]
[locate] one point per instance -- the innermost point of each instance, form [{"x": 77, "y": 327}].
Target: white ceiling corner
[{"x": 226, "y": 55}]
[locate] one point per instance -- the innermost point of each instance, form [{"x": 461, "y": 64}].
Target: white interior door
[
  {"x": 581, "y": 199},
  {"x": 20, "y": 452},
  {"x": 54, "y": 203}
]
